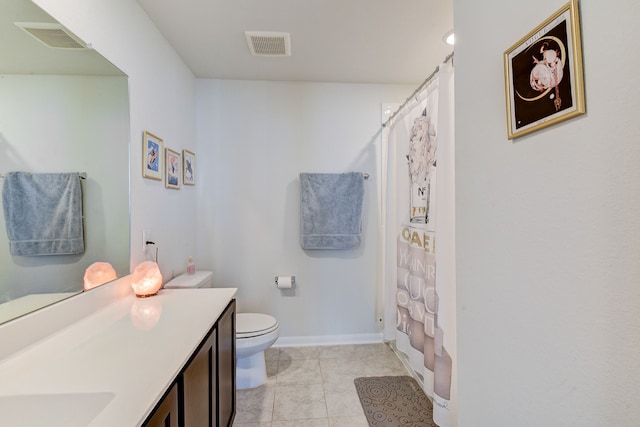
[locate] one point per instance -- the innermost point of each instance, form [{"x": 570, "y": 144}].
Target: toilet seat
[{"x": 250, "y": 325}]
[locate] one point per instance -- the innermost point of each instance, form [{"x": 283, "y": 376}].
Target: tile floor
[{"x": 313, "y": 386}]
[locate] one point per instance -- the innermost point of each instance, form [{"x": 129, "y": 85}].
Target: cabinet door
[
  {"x": 199, "y": 386},
  {"x": 166, "y": 412},
  {"x": 227, "y": 366}
]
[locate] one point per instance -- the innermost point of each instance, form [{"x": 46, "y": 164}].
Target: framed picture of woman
[{"x": 543, "y": 74}]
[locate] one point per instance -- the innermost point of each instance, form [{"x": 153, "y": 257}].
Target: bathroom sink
[{"x": 52, "y": 410}]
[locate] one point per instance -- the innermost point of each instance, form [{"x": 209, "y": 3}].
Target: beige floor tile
[
  {"x": 337, "y": 351},
  {"x": 263, "y": 424},
  {"x": 381, "y": 364},
  {"x": 299, "y": 402},
  {"x": 359, "y": 421},
  {"x": 291, "y": 372},
  {"x": 313, "y": 386},
  {"x": 377, "y": 348},
  {"x": 294, "y": 353},
  {"x": 342, "y": 399},
  {"x": 255, "y": 405},
  {"x": 271, "y": 354},
  {"x": 336, "y": 370},
  {"x": 316, "y": 422},
  {"x": 272, "y": 368}
]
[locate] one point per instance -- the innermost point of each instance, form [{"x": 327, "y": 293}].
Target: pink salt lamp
[
  {"x": 98, "y": 274},
  {"x": 146, "y": 280}
]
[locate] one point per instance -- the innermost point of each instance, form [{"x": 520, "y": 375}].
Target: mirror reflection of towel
[
  {"x": 43, "y": 213},
  {"x": 331, "y": 210}
]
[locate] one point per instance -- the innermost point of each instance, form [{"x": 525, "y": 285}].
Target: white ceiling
[
  {"x": 22, "y": 54},
  {"x": 355, "y": 41}
]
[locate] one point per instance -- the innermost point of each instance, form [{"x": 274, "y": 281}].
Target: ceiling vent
[
  {"x": 52, "y": 34},
  {"x": 268, "y": 43}
]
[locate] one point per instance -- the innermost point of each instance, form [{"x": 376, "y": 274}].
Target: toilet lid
[{"x": 254, "y": 324}]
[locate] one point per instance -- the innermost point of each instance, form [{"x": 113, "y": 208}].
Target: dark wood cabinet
[
  {"x": 205, "y": 390},
  {"x": 198, "y": 385},
  {"x": 227, "y": 367},
  {"x": 166, "y": 412}
]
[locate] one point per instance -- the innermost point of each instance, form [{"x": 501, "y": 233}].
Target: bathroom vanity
[
  {"x": 205, "y": 389},
  {"x": 163, "y": 360}
]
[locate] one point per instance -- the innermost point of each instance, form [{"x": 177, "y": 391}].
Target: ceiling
[
  {"x": 354, "y": 41},
  {"x": 23, "y": 54}
]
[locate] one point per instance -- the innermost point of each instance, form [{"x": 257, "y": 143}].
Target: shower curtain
[{"x": 418, "y": 239}]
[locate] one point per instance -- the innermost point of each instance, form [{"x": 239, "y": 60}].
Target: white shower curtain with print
[{"x": 418, "y": 240}]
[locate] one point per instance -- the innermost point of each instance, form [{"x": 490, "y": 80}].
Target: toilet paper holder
[{"x": 293, "y": 280}]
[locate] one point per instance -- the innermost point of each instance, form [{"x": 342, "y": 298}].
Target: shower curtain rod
[{"x": 415, "y": 92}]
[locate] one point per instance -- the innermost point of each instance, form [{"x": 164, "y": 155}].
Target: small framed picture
[
  {"x": 543, "y": 74},
  {"x": 174, "y": 163},
  {"x": 188, "y": 167},
  {"x": 152, "y": 150}
]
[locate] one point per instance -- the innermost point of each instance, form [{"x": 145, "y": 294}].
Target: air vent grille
[
  {"x": 268, "y": 43},
  {"x": 52, "y": 34}
]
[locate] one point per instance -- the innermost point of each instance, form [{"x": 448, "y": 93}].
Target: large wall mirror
[{"x": 61, "y": 110}]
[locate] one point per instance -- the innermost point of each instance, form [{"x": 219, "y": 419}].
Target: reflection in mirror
[
  {"x": 61, "y": 110},
  {"x": 97, "y": 274}
]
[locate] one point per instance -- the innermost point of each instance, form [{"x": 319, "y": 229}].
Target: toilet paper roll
[{"x": 285, "y": 282}]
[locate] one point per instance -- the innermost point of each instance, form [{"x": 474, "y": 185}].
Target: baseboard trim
[{"x": 328, "y": 340}]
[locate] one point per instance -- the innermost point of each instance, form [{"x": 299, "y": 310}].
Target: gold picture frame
[
  {"x": 152, "y": 156},
  {"x": 188, "y": 167},
  {"x": 544, "y": 81},
  {"x": 173, "y": 165}
]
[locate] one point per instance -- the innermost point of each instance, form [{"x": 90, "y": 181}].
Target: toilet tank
[{"x": 201, "y": 279}]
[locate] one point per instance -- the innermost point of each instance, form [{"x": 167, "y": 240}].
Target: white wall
[
  {"x": 547, "y": 230},
  {"x": 68, "y": 124},
  {"x": 254, "y": 138},
  {"x": 312, "y": 126},
  {"x": 162, "y": 101}
]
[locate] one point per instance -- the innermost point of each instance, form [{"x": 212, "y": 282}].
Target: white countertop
[{"x": 112, "y": 367}]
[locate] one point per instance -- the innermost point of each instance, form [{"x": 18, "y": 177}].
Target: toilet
[
  {"x": 255, "y": 332},
  {"x": 200, "y": 279}
]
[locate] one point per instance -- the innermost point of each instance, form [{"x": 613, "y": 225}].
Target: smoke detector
[
  {"x": 52, "y": 35},
  {"x": 268, "y": 43}
]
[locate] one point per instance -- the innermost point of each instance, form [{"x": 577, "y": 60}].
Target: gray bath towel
[
  {"x": 331, "y": 210},
  {"x": 43, "y": 213}
]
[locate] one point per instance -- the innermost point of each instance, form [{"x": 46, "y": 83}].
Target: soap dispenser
[{"x": 191, "y": 267}]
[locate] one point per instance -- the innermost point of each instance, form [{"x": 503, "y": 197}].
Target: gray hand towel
[
  {"x": 43, "y": 213},
  {"x": 331, "y": 210}
]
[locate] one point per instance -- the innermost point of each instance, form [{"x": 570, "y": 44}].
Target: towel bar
[{"x": 83, "y": 175}]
